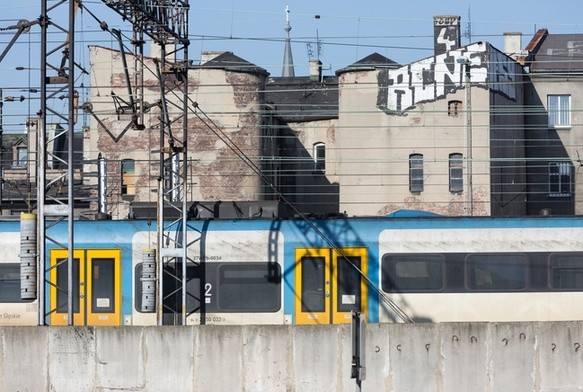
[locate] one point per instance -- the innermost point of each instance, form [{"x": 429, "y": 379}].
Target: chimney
[
  {"x": 315, "y": 71},
  {"x": 512, "y": 43},
  {"x": 446, "y": 33}
]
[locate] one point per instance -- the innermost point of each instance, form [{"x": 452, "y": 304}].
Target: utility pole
[{"x": 466, "y": 63}]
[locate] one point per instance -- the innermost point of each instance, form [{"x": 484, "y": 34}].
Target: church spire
[{"x": 288, "y": 61}]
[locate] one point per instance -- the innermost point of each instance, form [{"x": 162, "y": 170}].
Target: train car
[
  {"x": 308, "y": 271},
  {"x": 13, "y": 310}
]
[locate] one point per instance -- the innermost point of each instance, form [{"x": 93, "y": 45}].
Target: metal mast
[
  {"x": 57, "y": 91},
  {"x": 166, "y": 23}
]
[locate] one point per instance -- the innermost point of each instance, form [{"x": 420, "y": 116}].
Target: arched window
[
  {"x": 320, "y": 157},
  {"x": 456, "y": 173},
  {"x": 128, "y": 177},
  {"x": 416, "y": 173}
]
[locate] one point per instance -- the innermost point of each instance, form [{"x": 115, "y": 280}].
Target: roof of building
[
  {"x": 231, "y": 62},
  {"x": 299, "y": 99},
  {"x": 555, "y": 52},
  {"x": 372, "y": 61}
]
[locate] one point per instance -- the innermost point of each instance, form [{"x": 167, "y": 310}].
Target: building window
[
  {"x": 416, "y": 173},
  {"x": 20, "y": 157},
  {"x": 128, "y": 177},
  {"x": 559, "y": 109},
  {"x": 456, "y": 172},
  {"x": 320, "y": 157},
  {"x": 454, "y": 108},
  {"x": 560, "y": 174}
]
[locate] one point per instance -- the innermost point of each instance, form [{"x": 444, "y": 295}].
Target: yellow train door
[
  {"x": 96, "y": 287},
  {"x": 329, "y": 284}
]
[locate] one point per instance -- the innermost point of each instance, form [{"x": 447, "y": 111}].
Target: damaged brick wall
[{"x": 232, "y": 101}]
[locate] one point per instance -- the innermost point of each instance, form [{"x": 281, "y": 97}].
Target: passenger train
[{"x": 305, "y": 271}]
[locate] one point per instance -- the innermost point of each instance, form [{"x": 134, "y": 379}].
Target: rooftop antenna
[
  {"x": 288, "y": 61},
  {"x": 468, "y": 32},
  {"x": 318, "y": 48}
]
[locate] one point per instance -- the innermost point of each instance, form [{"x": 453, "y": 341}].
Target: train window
[
  {"x": 172, "y": 288},
  {"x": 249, "y": 287},
  {"x": 348, "y": 284},
  {"x": 496, "y": 272},
  {"x": 413, "y": 272},
  {"x": 313, "y": 284},
  {"x": 566, "y": 271},
  {"x": 10, "y": 282},
  {"x": 103, "y": 285},
  {"x": 62, "y": 284}
]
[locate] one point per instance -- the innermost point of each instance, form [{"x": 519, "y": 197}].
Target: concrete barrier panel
[
  {"x": 513, "y": 344},
  {"x": 119, "y": 359},
  {"x": 171, "y": 349},
  {"x": 319, "y": 360},
  {"x": 23, "y": 364},
  {"x": 415, "y": 358},
  {"x": 218, "y": 354},
  {"x": 265, "y": 353},
  {"x": 70, "y": 356},
  {"x": 560, "y": 356},
  {"x": 378, "y": 343},
  {"x": 464, "y": 348}
]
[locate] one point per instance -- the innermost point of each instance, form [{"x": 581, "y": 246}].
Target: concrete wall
[{"x": 399, "y": 357}]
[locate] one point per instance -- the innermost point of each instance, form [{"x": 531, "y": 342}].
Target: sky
[{"x": 339, "y": 33}]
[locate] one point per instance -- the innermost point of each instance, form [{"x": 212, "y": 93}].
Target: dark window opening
[{"x": 408, "y": 273}]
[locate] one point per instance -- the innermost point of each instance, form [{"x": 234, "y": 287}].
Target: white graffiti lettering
[{"x": 435, "y": 77}]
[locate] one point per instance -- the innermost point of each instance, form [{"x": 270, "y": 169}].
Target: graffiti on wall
[
  {"x": 446, "y": 33},
  {"x": 435, "y": 77}
]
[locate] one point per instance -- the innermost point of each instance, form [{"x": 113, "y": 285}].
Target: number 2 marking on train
[{"x": 207, "y": 293}]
